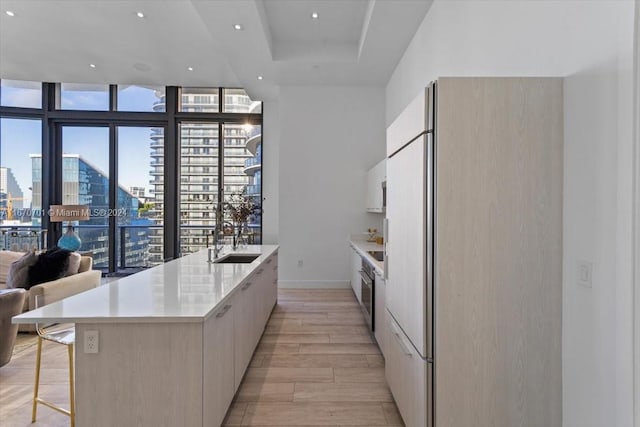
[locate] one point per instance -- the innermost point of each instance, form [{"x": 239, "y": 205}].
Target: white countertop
[
  {"x": 362, "y": 247},
  {"x": 187, "y": 289}
]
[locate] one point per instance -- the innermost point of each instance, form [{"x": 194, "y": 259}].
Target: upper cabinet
[
  {"x": 414, "y": 120},
  {"x": 376, "y": 180}
]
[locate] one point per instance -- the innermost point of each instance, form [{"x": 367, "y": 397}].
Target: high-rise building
[
  {"x": 199, "y": 165},
  {"x": 11, "y": 196},
  {"x": 85, "y": 184}
]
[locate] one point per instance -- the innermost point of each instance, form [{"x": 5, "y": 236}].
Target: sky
[{"x": 19, "y": 137}]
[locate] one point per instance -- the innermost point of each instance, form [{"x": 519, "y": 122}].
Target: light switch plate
[{"x": 585, "y": 274}]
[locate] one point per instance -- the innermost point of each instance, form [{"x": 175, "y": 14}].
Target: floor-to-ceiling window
[
  {"x": 155, "y": 164},
  {"x": 85, "y": 181},
  {"x": 137, "y": 217}
]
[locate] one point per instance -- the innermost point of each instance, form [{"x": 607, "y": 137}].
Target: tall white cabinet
[
  {"x": 474, "y": 332},
  {"x": 376, "y": 177}
]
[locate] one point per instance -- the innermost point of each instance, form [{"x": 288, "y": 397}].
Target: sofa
[
  {"x": 54, "y": 290},
  {"x": 11, "y": 303}
]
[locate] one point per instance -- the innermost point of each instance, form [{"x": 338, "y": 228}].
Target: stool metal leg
[
  {"x": 37, "y": 384},
  {"x": 72, "y": 396}
]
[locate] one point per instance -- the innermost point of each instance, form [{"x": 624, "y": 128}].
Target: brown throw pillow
[{"x": 18, "y": 276}]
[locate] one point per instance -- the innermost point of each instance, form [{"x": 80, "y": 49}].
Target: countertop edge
[{"x": 362, "y": 247}]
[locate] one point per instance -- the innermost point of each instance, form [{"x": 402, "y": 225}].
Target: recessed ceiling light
[
  {"x": 10, "y": 13},
  {"x": 92, "y": 65},
  {"x": 238, "y": 27},
  {"x": 260, "y": 77},
  {"x": 140, "y": 15},
  {"x": 190, "y": 68},
  {"x": 315, "y": 15}
]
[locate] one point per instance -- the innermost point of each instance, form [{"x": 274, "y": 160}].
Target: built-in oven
[{"x": 367, "y": 295}]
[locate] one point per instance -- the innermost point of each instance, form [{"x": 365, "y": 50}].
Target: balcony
[
  {"x": 254, "y": 138},
  {"x": 253, "y": 190},
  {"x": 252, "y": 164}
]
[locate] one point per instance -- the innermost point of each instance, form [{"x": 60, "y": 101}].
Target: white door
[{"x": 406, "y": 241}]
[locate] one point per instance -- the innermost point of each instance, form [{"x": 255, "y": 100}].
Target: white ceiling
[{"x": 354, "y": 42}]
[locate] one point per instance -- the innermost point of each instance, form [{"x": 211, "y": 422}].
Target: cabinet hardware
[
  {"x": 246, "y": 286},
  {"x": 396, "y": 333},
  {"x": 223, "y": 311}
]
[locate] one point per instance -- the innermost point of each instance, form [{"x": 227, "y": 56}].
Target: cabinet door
[
  {"x": 273, "y": 294},
  {"x": 375, "y": 177},
  {"x": 258, "y": 295},
  {"x": 409, "y": 377},
  {"x": 244, "y": 334},
  {"x": 380, "y": 312},
  {"x": 356, "y": 266},
  {"x": 218, "y": 375},
  {"x": 406, "y": 261}
]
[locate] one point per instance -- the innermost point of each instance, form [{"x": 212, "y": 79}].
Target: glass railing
[
  {"x": 252, "y": 161},
  {"x": 22, "y": 238},
  {"x": 253, "y": 190},
  {"x": 138, "y": 246}
]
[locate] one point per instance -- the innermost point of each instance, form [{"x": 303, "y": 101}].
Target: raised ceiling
[{"x": 353, "y": 42}]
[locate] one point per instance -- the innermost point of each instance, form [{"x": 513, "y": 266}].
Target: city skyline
[{"x": 22, "y": 138}]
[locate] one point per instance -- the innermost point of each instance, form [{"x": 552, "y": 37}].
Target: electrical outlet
[
  {"x": 300, "y": 263},
  {"x": 91, "y": 342}
]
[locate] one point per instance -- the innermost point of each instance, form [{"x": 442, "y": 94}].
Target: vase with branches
[{"x": 238, "y": 207}]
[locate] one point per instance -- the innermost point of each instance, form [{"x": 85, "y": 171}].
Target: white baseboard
[{"x": 314, "y": 284}]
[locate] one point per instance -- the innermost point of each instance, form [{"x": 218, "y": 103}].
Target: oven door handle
[{"x": 365, "y": 278}]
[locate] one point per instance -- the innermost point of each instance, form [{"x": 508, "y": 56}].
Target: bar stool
[{"x": 64, "y": 336}]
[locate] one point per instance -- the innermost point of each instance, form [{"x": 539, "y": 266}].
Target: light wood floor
[{"x": 316, "y": 365}]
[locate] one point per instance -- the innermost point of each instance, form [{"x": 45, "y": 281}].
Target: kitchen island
[{"x": 173, "y": 342}]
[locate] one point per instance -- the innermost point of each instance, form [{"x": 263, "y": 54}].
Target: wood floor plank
[
  {"x": 315, "y": 414},
  {"x": 314, "y": 329},
  {"x": 392, "y": 415},
  {"x": 316, "y": 361},
  {"x": 359, "y": 375},
  {"x": 265, "y": 392},
  {"x": 340, "y": 392},
  {"x": 289, "y": 375},
  {"x": 235, "y": 414},
  {"x": 296, "y": 338},
  {"x": 339, "y": 349},
  {"x": 375, "y": 360},
  {"x": 351, "y": 339},
  {"x": 298, "y": 315},
  {"x": 276, "y": 348}
]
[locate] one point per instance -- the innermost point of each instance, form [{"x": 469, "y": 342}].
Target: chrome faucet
[{"x": 216, "y": 235}]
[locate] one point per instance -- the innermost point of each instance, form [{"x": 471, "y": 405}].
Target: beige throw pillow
[
  {"x": 6, "y": 259},
  {"x": 18, "y": 276},
  {"x": 74, "y": 263}
]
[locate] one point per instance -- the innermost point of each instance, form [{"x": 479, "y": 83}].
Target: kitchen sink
[
  {"x": 377, "y": 255},
  {"x": 236, "y": 259}
]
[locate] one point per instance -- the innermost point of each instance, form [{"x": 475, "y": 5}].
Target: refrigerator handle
[{"x": 385, "y": 240}]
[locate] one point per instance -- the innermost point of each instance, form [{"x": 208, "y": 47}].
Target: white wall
[
  {"x": 589, "y": 42},
  {"x": 270, "y": 172},
  {"x": 329, "y": 138}
]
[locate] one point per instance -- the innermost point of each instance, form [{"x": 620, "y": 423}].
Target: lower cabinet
[
  {"x": 243, "y": 328},
  {"x": 380, "y": 312},
  {"x": 253, "y": 302},
  {"x": 356, "y": 282},
  {"x": 218, "y": 376},
  {"x": 409, "y": 377}
]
